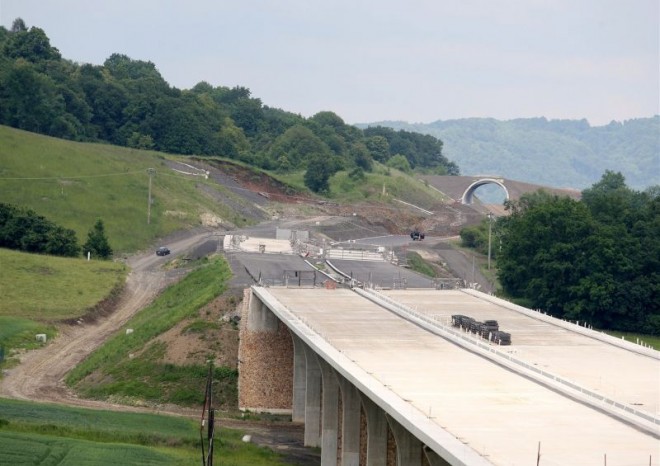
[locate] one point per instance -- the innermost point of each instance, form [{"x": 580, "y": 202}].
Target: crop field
[
  {"x": 130, "y": 426},
  {"x": 32, "y": 449},
  {"x": 46, "y": 434},
  {"x": 39, "y": 434}
]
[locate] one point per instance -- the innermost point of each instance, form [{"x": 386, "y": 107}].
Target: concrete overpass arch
[{"x": 469, "y": 192}]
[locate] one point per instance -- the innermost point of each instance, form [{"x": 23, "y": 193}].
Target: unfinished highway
[{"x": 559, "y": 395}]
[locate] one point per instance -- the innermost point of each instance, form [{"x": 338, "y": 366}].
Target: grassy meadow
[
  {"x": 73, "y": 184},
  {"x": 419, "y": 265},
  {"x": 49, "y": 288},
  {"x": 38, "y": 434},
  {"x": 39, "y": 290}
]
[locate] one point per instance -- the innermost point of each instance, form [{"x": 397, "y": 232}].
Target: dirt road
[{"x": 40, "y": 375}]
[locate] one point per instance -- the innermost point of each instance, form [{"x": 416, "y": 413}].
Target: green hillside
[
  {"x": 562, "y": 153},
  {"x": 73, "y": 184},
  {"x": 128, "y": 103}
]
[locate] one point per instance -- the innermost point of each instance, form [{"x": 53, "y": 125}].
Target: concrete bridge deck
[
  {"x": 561, "y": 348},
  {"x": 466, "y": 408}
]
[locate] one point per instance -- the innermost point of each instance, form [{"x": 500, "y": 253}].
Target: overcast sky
[{"x": 373, "y": 60}]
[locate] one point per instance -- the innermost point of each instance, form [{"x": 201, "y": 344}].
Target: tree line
[
  {"x": 596, "y": 260},
  {"x": 24, "y": 230},
  {"x": 128, "y": 103}
]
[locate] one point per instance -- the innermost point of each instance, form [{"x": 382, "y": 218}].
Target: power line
[{"x": 72, "y": 177}]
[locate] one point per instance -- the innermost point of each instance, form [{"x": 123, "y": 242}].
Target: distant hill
[{"x": 561, "y": 153}]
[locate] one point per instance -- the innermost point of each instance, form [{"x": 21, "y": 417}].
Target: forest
[
  {"x": 596, "y": 260},
  {"x": 127, "y": 102}
]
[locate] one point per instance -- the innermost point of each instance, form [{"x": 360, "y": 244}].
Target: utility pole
[
  {"x": 490, "y": 225},
  {"x": 151, "y": 172}
]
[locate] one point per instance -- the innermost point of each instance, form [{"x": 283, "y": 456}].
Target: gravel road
[{"x": 40, "y": 375}]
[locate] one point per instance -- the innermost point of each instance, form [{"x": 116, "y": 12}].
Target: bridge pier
[
  {"x": 329, "y": 415},
  {"x": 433, "y": 458},
  {"x": 376, "y": 433},
  {"x": 350, "y": 427},
  {"x": 408, "y": 447},
  {"x": 260, "y": 318},
  {"x": 312, "y": 400},
  {"x": 299, "y": 380}
]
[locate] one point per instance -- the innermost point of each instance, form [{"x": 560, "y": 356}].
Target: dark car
[
  {"x": 162, "y": 251},
  {"x": 416, "y": 235}
]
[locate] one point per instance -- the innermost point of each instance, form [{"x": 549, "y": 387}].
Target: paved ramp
[
  {"x": 273, "y": 269},
  {"x": 381, "y": 274}
]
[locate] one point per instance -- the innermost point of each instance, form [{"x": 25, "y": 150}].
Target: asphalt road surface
[
  {"x": 382, "y": 274},
  {"x": 278, "y": 269},
  {"x": 464, "y": 266}
]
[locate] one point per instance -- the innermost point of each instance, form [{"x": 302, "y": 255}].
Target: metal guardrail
[
  {"x": 570, "y": 326},
  {"x": 589, "y": 396},
  {"x": 352, "y": 254}
]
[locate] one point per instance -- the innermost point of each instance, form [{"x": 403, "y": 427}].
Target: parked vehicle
[
  {"x": 488, "y": 329},
  {"x": 416, "y": 235},
  {"x": 501, "y": 338}
]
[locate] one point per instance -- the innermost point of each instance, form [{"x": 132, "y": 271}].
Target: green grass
[
  {"x": 43, "y": 434},
  {"x": 73, "y": 184},
  {"x": 33, "y": 449},
  {"x": 131, "y": 367},
  {"x": 652, "y": 340},
  {"x": 38, "y": 290},
  {"x": 419, "y": 265},
  {"x": 51, "y": 288},
  {"x": 138, "y": 428},
  {"x": 396, "y": 185},
  {"x": 17, "y": 332},
  {"x": 201, "y": 326}
]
